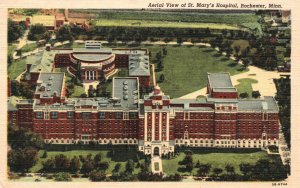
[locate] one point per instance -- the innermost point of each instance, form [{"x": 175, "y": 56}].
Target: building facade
[
  {"x": 90, "y": 63},
  {"x": 156, "y": 123}
]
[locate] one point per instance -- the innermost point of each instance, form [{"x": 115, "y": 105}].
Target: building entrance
[{"x": 156, "y": 151}]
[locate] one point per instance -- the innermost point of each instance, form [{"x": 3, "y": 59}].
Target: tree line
[{"x": 263, "y": 170}]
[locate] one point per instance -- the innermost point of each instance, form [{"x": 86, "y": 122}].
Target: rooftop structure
[
  {"x": 266, "y": 104},
  {"x": 126, "y": 91},
  {"x": 45, "y": 20},
  {"x": 220, "y": 86},
  {"x": 139, "y": 65},
  {"x": 50, "y": 85},
  {"x": 219, "y": 80}
]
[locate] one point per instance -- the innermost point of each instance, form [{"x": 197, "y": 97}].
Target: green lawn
[
  {"x": 245, "y": 19},
  {"x": 165, "y": 24},
  {"x": 185, "y": 69},
  {"x": 120, "y": 156},
  {"x": 29, "y": 47},
  {"x": 16, "y": 68},
  {"x": 216, "y": 159},
  {"x": 78, "y": 90},
  {"x": 245, "y": 85}
]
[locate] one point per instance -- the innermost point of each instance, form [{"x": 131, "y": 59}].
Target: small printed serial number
[{"x": 279, "y": 184}]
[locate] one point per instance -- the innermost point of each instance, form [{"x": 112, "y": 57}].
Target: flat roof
[
  {"x": 127, "y": 91},
  {"x": 42, "y": 61},
  {"x": 138, "y": 65},
  {"x": 46, "y": 20},
  {"x": 49, "y": 83},
  {"x": 91, "y": 57},
  {"x": 225, "y": 90},
  {"x": 219, "y": 80},
  {"x": 266, "y": 104}
]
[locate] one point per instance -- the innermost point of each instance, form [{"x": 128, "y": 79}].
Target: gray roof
[
  {"x": 48, "y": 83},
  {"x": 127, "y": 91},
  {"x": 266, "y": 104},
  {"x": 86, "y": 102},
  {"x": 186, "y": 104},
  {"x": 92, "y": 57},
  {"x": 42, "y": 61},
  {"x": 95, "y": 50},
  {"x": 224, "y": 89},
  {"x": 222, "y": 100},
  {"x": 129, "y": 51},
  {"x": 219, "y": 80},
  {"x": 138, "y": 65}
]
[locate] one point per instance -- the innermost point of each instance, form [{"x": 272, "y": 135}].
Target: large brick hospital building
[{"x": 156, "y": 123}]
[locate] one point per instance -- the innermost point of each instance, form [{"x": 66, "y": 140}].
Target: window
[
  {"x": 102, "y": 115},
  {"x": 86, "y": 115},
  {"x": 118, "y": 115},
  {"x": 70, "y": 115},
  {"x": 132, "y": 115},
  {"x": 39, "y": 115},
  {"x": 54, "y": 115}
]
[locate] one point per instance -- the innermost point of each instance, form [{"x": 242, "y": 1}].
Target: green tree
[
  {"x": 179, "y": 41},
  {"x": 36, "y": 32},
  {"x": 15, "y": 31},
  {"x": 189, "y": 167},
  {"x": 103, "y": 166},
  {"x": 229, "y": 169},
  {"x": 87, "y": 166},
  {"x": 45, "y": 155},
  {"x": 62, "y": 163},
  {"x": 204, "y": 169},
  {"x": 48, "y": 165},
  {"x": 75, "y": 164},
  {"x": 97, "y": 159},
  {"x": 19, "y": 137},
  {"x": 21, "y": 160},
  {"x": 217, "y": 171},
  {"x": 162, "y": 78},
  {"x": 246, "y": 168},
  {"x": 129, "y": 166},
  {"x": 64, "y": 33},
  {"x": 62, "y": 176},
  {"x": 117, "y": 167},
  {"x": 246, "y": 62},
  {"x": 97, "y": 176}
]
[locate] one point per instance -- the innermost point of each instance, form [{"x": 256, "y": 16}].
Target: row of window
[{"x": 85, "y": 115}]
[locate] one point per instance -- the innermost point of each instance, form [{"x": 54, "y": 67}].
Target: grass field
[
  {"x": 29, "y": 47},
  {"x": 216, "y": 159},
  {"x": 185, "y": 69},
  {"x": 165, "y": 24},
  {"x": 248, "y": 20},
  {"x": 245, "y": 85},
  {"x": 16, "y": 68},
  {"x": 120, "y": 157},
  {"x": 78, "y": 90}
]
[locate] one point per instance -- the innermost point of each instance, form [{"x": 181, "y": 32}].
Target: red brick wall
[{"x": 230, "y": 95}]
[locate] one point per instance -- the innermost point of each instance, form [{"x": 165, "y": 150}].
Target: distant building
[
  {"x": 47, "y": 21},
  {"x": 155, "y": 124},
  {"x": 93, "y": 61}
]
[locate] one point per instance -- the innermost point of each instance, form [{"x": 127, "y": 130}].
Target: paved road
[{"x": 156, "y": 159}]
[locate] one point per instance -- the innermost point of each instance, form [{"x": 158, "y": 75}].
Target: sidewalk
[{"x": 156, "y": 159}]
